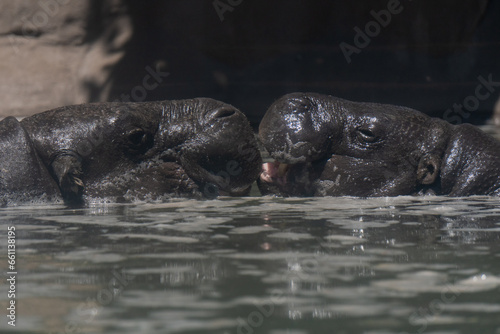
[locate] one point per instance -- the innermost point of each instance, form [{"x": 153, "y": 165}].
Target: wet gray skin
[
  {"x": 125, "y": 151},
  {"x": 23, "y": 176},
  {"x": 326, "y": 146}
]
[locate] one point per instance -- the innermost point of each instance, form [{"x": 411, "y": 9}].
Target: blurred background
[{"x": 431, "y": 56}]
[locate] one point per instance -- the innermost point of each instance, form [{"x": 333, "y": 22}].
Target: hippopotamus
[
  {"x": 327, "y": 146},
  {"x": 123, "y": 151}
]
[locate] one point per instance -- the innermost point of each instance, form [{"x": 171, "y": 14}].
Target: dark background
[{"x": 428, "y": 57}]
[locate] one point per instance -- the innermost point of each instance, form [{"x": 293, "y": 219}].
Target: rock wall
[{"x": 53, "y": 50}]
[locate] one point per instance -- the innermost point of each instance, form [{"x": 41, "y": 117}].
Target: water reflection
[{"x": 266, "y": 265}]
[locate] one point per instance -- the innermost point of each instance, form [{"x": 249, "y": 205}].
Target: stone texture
[{"x": 50, "y": 53}]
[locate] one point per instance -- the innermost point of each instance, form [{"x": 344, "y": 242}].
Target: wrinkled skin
[
  {"x": 23, "y": 177},
  {"x": 326, "y": 146},
  {"x": 197, "y": 148}
]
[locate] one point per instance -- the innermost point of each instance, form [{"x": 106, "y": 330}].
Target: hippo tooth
[{"x": 267, "y": 172}]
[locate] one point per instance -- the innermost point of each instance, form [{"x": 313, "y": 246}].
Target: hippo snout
[{"x": 335, "y": 147}]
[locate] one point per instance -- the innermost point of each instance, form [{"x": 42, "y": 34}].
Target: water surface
[{"x": 258, "y": 265}]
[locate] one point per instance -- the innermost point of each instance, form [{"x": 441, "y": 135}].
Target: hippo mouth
[
  {"x": 274, "y": 172},
  {"x": 339, "y": 175},
  {"x": 209, "y": 179},
  {"x": 198, "y": 181},
  {"x": 148, "y": 180},
  {"x": 283, "y": 179},
  {"x": 157, "y": 179}
]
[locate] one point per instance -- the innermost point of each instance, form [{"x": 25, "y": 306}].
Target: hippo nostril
[{"x": 223, "y": 112}]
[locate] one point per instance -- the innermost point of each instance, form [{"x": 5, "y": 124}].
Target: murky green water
[{"x": 257, "y": 265}]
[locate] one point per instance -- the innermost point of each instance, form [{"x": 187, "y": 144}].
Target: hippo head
[
  {"x": 212, "y": 142},
  {"x": 150, "y": 150},
  {"x": 326, "y": 146},
  {"x": 187, "y": 148}
]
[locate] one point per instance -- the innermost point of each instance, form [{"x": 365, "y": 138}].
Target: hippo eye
[
  {"x": 139, "y": 141},
  {"x": 136, "y": 136},
  {"x": 366, "y": 135}
]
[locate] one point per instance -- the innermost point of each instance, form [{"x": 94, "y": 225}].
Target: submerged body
[
  {"x": 326, "y": 146},
  {"x": 151, "y": 150}
]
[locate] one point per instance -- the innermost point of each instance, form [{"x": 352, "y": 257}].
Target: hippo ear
[{"x": 428, "y": 169}]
